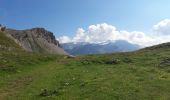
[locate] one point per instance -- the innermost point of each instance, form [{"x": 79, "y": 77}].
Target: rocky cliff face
[{"x": 36, "y": 40}]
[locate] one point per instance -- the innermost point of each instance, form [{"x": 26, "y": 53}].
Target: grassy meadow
[{"x": 137, "y": 75}]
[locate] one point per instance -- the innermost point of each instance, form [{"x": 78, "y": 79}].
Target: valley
[{"x": 138, "y": 75}]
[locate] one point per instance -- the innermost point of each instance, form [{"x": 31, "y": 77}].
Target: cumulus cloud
[
  {"x": 64, "y": 39},
  {"x": 163, "y": 27},
  {"x": 105, "y": 32}
]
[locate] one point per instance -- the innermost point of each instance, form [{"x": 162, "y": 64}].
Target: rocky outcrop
[
  {"x": 165, "y": 62},
  {"x": 36, "y": 40},
  {"x": 2, "y": 28}
]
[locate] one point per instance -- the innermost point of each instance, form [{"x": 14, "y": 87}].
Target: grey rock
[
  {"x": 2, "y": 28},
  {"x": 165, "y": 62},
  {"x": 36, "y": 40}
]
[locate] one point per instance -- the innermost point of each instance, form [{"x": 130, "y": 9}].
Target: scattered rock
[
  {"x": 46, "y": 92},
  {"x": 164, "y": 76},
  {"x": 85, "y": 62},
  {"x": 8, "y": 68},
  {"x": 127, "y": 60},
  {"x": 83, "y": 84},
  {"x": 69, "y": 56},
  {"x": 113, "y": 61},
  {"x": 67, "y": 84},
  {"x": 165, "y": 62}
]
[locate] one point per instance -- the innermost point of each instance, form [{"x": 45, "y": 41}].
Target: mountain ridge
[
  {"x": 82, "y": 48},
  {"x": 36, "y": 40}
]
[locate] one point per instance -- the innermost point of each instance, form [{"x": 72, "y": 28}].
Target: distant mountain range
[{"x": 83, "y": 48}]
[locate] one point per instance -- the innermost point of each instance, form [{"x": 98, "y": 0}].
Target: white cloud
[
  {"x": 64, "y": 39},
  {"x": 105, "y": 32},
  {"x": 163, "y": 27}
]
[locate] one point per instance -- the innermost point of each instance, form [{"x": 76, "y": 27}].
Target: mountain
[
  {"x": 36, "y": 40},
  {"x": 82, "y": 48},
  {"x": 7, "y": 44},
  {"x": 36, "y": 76}
]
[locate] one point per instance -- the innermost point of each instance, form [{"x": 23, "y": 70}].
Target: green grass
[{"x": 119, "y": 76}]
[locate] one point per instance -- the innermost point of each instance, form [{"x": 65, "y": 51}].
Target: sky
[{"x": 140, "y": 22}]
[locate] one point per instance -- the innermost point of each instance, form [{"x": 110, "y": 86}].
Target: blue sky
[{"x": 64, "y": 17}]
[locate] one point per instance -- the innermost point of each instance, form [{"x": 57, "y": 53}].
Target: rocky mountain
[
  {"x": 36, "y": 40},
  {"x": 99, "y": 48}
]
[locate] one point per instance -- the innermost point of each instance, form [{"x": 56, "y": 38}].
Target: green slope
[
  {"x": 6, "y": 43},
  {"x": 13, "y": 58},
  {"x": 120, "y": 76}
]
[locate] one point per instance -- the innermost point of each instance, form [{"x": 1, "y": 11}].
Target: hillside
[
  {"x": 36, "y": 40},
  {"x": 139, "y": 75},
  {"x": 7, "y": 43},
  {"x": 13, "y": 57}
]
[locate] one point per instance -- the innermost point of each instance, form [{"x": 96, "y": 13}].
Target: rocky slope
[{"x": 36, "y": 40}]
